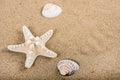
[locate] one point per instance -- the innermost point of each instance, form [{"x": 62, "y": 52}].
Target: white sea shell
[
  {"x": 51, "y": 10},
  {"x": 67, "y": 67}
]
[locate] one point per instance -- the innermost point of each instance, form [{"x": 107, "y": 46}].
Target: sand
[{"x": 87, "y": 31}]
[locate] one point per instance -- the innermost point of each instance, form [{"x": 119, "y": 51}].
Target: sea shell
[
  {"x": 67, "y": 67},
  {"x": 51, "y": 10}
]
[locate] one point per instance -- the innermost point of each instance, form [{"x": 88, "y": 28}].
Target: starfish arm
[
  {"x": 46, "y": 36},
  {"x": 27, "y": 34},
  {"x": 17, "y": 48},
  {"x": 48, "y": 53},
  {"x": 30, "y": 58}
]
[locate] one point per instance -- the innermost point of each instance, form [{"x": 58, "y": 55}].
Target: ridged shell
[
  {"x": 51, "y": 10},
  {"x": 67, "y": 67}
]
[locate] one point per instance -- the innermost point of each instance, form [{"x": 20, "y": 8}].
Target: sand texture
[{"x": 87, "y": 31}]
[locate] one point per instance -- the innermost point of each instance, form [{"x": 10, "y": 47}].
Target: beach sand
[{"x": 87, "y": 31}]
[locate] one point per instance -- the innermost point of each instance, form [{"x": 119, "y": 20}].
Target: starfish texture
[{"x": 33, "y": 46}]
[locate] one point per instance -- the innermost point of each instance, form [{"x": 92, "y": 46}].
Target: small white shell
[
  {"x": 67, "y": 67},
  {"x": 51, "y": 10}
]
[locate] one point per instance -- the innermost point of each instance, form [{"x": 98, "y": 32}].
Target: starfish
[{"x": 33, "y": 46}]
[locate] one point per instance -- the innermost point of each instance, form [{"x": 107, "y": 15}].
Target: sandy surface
[{"x": 87, "y": 31}]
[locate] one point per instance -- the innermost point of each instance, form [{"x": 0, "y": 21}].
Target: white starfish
[{"x": 33, "y": 46}]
